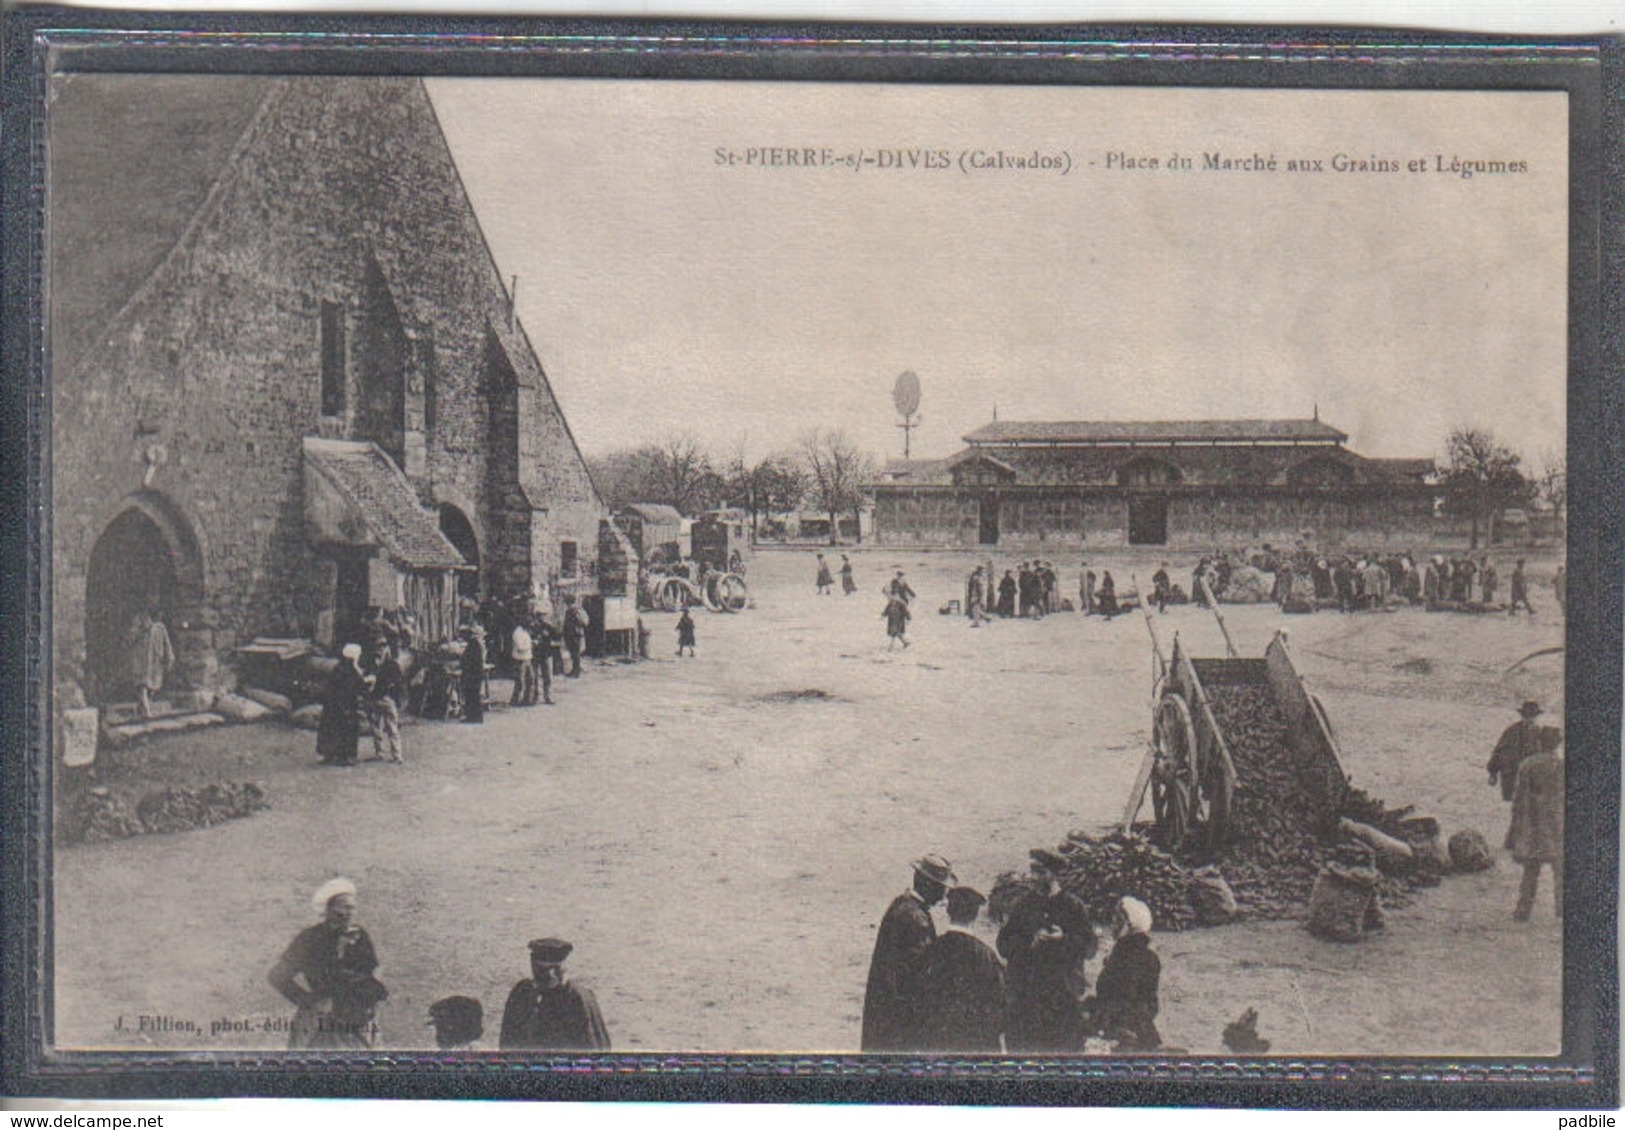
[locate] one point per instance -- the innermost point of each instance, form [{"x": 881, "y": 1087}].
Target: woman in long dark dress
[
  {"x": 472, "y": 678},
  {"x": 340, "y": 728},
  {"x": 327, "y": 973},
  {"x": 1107, "y": 596}
]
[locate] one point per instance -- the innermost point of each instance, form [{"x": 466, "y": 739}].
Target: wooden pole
[{"x": 1213, "y": 604}]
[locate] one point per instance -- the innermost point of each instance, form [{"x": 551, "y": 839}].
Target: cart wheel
[
  {"x": 673, "y": 594},
  {"x": 1174, "y": 796},
  {"x": 731, "y": 593}
]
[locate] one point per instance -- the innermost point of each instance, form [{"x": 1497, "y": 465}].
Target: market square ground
[{"x": 720, "y": 844}]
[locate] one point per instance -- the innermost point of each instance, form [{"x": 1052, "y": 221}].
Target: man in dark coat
[
  {"x": 1161, "y": 587},
  {"x": 1519, "y": 741},
  {"x": 962, "y": 999},
  {"x": 1007, "y": 595},
  {"x": 892, "y": 999},
  {"x": 547, "y": 1011},
  {"x": 1536, "y": 834},
  {"x": 1046, "y": 940},
  {"x": 575, "y": 634},
  {"x": 1125, "y": 1005},
  {"x": 1520, "y": 591}
]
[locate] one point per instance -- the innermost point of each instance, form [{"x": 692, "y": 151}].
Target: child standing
[{"x": 685, "y": 633}]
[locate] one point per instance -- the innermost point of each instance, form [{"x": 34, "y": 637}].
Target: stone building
[
  {"x": 1194, "y": 484},
  {"x": 286, "y": 378}
]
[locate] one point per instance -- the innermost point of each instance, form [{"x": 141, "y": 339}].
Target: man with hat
[
  {"x": 962, "y": 998},
  {"x": 458, "y": 1022},
  {"x": 1046, "y": 940},
  {"x": 892, "y": 1000},
  {"x": 1519, "y": 741},
  {"x": 548, "y": 1012}
]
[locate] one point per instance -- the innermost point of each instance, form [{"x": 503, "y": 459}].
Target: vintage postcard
[{"x": 958, "y": 572}]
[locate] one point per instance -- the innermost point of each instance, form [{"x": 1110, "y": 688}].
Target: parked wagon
[{"x": 1191, "y": 767}]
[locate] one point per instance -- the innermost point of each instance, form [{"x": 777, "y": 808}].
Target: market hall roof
[
  {"x": 1085, "y": 432},
  {"x": 355, "y": 495}
]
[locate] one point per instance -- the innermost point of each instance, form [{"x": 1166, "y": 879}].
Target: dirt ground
[{"x": 720, "y": 842}]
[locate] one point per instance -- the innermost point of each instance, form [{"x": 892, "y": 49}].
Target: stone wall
[{"x": 200, "y": 389}]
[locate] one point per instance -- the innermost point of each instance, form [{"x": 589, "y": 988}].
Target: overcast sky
[{"x": 666, "y": 291}]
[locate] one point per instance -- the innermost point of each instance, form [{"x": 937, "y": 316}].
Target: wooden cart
[{"x": 1189, "y": 769}]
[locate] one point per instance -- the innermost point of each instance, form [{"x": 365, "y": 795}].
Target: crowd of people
[
  {"x": 1031, "y": 590},
  {"x": 1029, "y": 992},
  {"x": 328, "y": 973},
  {"x": 396, "y": 674},
  {"x": 1305, "y": 579}
]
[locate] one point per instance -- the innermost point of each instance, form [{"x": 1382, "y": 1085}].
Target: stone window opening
[{"x": 334, "y": 359}]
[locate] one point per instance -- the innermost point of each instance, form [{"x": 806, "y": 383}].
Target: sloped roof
[
  {"x": 171, "y": 135},
  {"x": 1406, "y": 468},
  {"x": 1155, "y": 431},
  {"x": 657, "y": 512},
  {"x": 976, "y": 455},
  {"x": 384, "y": 502}
]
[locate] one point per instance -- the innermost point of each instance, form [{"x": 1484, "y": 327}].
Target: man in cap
[
  {"x": 962, "y": 999},
  {"x": 1519, "y": 741},
  {"x": 548, "y": 1012},
  {"x": 1046, "y": 940},
  {"x": 458, "y": 1022},
  {"x": 892, "y": 999}
]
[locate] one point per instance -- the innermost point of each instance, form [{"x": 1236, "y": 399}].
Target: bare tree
[
  {"x": 1481, "y": 478},
  {"x": 683, "y": 474},
  {"x": 763, "y": 486},
  {"x": 1552, "y": 485},
  {"x": 839, "y": 475},
  {"x": 675, "y": 471}
]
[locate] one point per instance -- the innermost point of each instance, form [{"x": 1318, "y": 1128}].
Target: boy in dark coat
[
  {"x": 685, "y": 632},
  {"x": 962, "y": 1003}
]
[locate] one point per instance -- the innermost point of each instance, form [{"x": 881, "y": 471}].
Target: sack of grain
[
  {"x": 240, "y": 708},
  {"x": 1470, "y": 852},
  {"x": 1212, "y": 897},
  {"x": 1427, "y": 844},
  {"x": 1341, "y": 901}
]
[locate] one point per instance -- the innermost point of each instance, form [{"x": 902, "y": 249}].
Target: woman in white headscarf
[
  {"x": 1125, "y": 1005},
  {"x": 340, "y": 728},
  {"x": 327, "y": 973}
]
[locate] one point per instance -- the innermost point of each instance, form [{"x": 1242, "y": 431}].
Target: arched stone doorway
[
  {"x": 145, "y": 561},
  {"x": 460, "y": 532}
]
